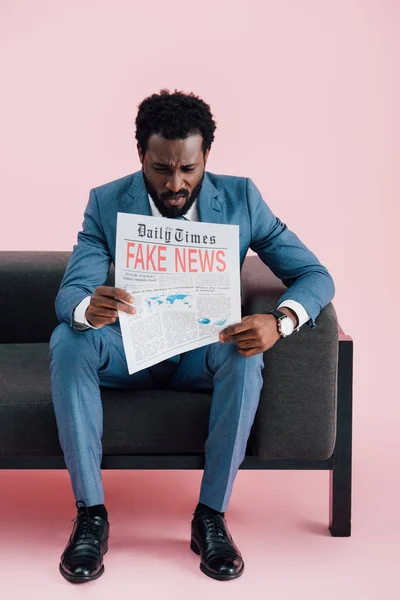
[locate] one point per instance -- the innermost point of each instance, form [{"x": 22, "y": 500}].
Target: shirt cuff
[
  {"x": 302, "y": 314},
  {"x": 79, "y": 313}
]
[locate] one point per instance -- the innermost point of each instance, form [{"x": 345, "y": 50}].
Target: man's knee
[
  {"x": 64, "y": 338},
  {"x": 229, "y": 352},
  {"x": 58, "y": 334}
]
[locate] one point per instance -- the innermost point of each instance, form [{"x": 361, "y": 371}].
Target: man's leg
[
  {"x": 236, "y": 382},
  {"x": 80, "y": 363}
]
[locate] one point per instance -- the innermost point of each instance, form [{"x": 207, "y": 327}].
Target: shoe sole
[
  {"x": 73, "y": 579},
  {"x": 203, "y": 568}
]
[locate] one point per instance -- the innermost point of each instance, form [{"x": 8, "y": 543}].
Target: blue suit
[{"x": 83, "y": 360}]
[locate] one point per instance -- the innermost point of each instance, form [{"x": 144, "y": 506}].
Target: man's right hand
[{"x": 103, "y": 308}]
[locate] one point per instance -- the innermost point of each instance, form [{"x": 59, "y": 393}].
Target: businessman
[{"x": 174, "y": 133}]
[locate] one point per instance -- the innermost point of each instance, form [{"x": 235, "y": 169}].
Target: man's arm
[
  {"x": 296, "y": 311},
  {"x": 87, "y": 267},
  {"x": 310, "y": 286},
  {"x": 80, "y": 321},
  {"x": 309, "y": 282}
]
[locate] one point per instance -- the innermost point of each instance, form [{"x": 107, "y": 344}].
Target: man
[{"x": 174, "y": 133}]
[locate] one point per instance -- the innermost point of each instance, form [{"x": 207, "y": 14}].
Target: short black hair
[{"x": 174, "y": 116}]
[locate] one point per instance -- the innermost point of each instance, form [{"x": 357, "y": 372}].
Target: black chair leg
[
  {"x": 340, "y": 501},
  {"x": 340, "y": 476}
]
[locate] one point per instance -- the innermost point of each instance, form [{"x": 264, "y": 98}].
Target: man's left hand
[{"x": 255, "y": 334}]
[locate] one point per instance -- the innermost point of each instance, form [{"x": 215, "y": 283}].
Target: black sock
[
  {"x": 98, "y": 510},
  {"x": 204, "y": 508}
]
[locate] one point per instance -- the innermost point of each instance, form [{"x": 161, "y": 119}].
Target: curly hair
[{"x": 174, "y": 116}]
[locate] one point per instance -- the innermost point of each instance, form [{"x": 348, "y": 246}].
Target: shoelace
[
  {"x": 84, "y": 521},
  {"x": 215, "y": 527}
]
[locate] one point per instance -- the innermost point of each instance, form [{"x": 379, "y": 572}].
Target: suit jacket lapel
[
  {"x": 136, "y": 199},
  {"x": 210, "y": 206}
]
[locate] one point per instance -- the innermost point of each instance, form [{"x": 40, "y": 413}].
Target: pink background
[{"x": 306, "y": 98}]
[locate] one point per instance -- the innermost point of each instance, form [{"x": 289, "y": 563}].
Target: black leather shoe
[
  {"x": 220, "y": 557},
  {"x": 82, "y": 559}
]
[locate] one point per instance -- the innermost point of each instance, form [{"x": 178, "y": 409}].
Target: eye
[{"x": 188, "y": 169}]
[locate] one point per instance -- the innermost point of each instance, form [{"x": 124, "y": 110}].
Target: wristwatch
[{"x": 284, "y": 323}]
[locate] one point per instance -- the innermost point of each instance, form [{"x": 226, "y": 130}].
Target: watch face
[{"x": 287, "y": 326}]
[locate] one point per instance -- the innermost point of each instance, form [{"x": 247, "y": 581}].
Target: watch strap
[{"x": 278, "y": 314}]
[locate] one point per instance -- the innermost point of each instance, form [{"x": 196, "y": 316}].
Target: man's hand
[
  {"x": 104, "y": 305},
  {"x": 255, "y": 334}
]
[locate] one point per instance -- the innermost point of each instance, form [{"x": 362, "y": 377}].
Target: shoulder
[
  {"x": 232, "y": 186},
  {"x": 227, "y": 182},
  {"x": 115, "y": 187}
]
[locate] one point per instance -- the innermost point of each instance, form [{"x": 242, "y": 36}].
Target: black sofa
[{"x": 304, "y": 419}]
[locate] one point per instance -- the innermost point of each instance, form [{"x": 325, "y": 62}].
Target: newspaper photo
[{"x": 184, "y": 277}]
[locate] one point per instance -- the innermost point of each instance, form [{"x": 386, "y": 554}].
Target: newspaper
[{"x": 184, "y": 277}]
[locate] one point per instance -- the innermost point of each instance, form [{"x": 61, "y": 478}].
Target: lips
[{"x": 176, "y": 200}]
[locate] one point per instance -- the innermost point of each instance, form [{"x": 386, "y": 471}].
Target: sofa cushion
[{"x": 135, "y": 422}]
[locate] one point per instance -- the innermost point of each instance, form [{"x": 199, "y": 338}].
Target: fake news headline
[{"x": 152, "y": 256}]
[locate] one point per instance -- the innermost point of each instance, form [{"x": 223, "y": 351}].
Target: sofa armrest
[
  {"x": 343, "y": 337},
  {"x": 296, "y": 417}
]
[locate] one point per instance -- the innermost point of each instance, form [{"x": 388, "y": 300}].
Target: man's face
[{"x": 173, "y": 172}]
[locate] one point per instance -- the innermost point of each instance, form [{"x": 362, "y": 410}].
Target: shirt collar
[{"x": 190, "y": 215}]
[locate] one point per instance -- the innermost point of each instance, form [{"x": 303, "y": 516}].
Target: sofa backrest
[{"x": 30, "y": 280}]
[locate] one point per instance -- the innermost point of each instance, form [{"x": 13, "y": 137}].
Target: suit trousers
[{"x": 81, "y": 362}]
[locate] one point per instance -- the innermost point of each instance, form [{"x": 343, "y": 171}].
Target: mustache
[{"x": 172, "y": 196}]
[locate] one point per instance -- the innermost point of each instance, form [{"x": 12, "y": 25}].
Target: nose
[{"x": 174, "y": 183}]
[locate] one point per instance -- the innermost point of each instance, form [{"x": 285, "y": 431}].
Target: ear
[
  {"x": 140, "y": 152},
  {"x": 206, "y": 156}
]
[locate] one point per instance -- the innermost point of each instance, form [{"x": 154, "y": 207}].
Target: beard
[{"x": 173, "y": 211}]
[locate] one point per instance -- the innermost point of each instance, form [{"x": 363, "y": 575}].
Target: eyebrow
[{"x": 156, "y": 164}]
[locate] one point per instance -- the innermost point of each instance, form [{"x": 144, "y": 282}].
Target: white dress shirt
[{"x": 191, "y": 215}]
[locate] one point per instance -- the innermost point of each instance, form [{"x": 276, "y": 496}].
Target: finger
[
  {"x": 103, "y": 301},
  {"x": 130, "y": 310},
  {"x": 246, "y": 344},
  {"x": 238, "y": 327},
  {"x": 120, "y": 301},
  {"x": 233, "y": 330},
  {"x": 100, "y": 321},
  {"x": 102, "y": 311},
  {"x": 250, "y": 352},
  {"x": 249, "y": 334},
  {"x": 245, "y": 324},
  {"x": 112, "y": 292}
]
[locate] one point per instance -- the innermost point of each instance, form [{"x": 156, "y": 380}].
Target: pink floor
[{"x": 278, "y": 519}]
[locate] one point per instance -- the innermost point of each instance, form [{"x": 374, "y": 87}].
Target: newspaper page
[{"x": 184, "y": 277}]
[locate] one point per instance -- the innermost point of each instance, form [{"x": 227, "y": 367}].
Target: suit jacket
[{"x": 223, "y": 199}]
